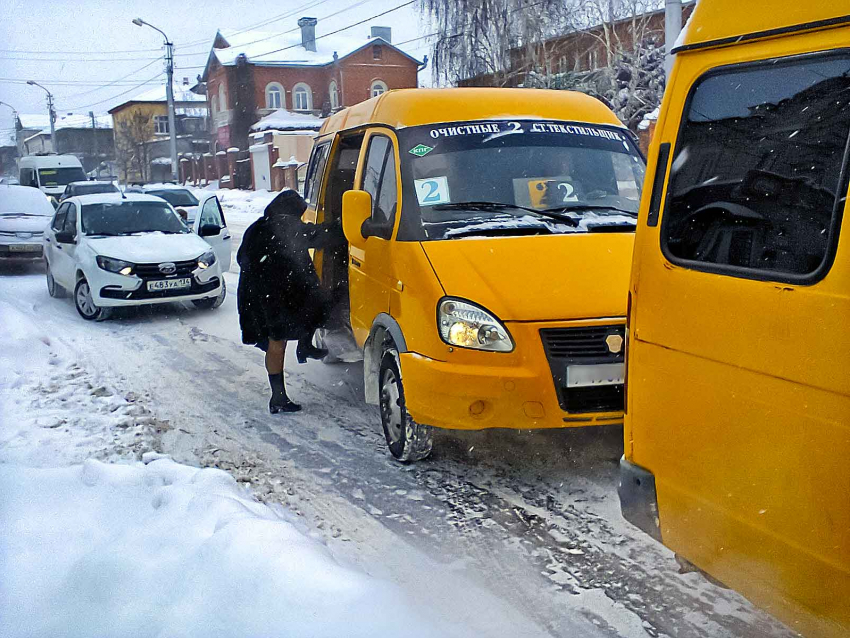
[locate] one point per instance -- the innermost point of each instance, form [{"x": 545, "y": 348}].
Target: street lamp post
[
  {"x": 169, "y": 94},
  {"x": 51, "y": 112}
]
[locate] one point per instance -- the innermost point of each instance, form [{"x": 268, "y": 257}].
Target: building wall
[{"x": 360, "y": 69}]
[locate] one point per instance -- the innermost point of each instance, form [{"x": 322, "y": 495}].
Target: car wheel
[
  {"x": 212, "y": 302},
  {"x": 85, "y": 303},
  {"x": 407, "y": 440},
  {"x": 53, "y": 289}
]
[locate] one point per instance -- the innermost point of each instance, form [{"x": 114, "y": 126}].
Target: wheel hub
[
  {"x": 391, "y": 406},
  {"x": 84, "y": 300}
]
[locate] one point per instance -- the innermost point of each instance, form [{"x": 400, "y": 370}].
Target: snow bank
[{"x": 168, "y": 550}]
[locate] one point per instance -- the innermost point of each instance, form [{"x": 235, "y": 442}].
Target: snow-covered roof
[
  {"x": 182, "y": 93},
  {"x": 283, "y": 120},
  {"x": 34, "y": 120},
  {"x": 63, "y": 120},
  {"x": 191, "y": 111},
  {"x": 7, "y": 137},
  {"x": 161, "y": 161}
]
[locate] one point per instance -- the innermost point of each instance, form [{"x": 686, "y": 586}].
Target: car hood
[
  {"x": 538, "y": 278},
  {"x": 23, "y": 224},
  {"x": 151, "y": 248}
]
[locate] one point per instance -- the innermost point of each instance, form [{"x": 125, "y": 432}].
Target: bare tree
[{"x": 131, "y": 137}]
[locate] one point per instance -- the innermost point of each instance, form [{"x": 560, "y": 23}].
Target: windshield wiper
[
  {"x": 588, "y": 207},
  {"x": 500, "y": 206}
]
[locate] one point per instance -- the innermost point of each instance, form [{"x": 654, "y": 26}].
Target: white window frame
[
  {"x": 299, "y": 89},
  {"x": 378, "y": 87},
  {"x": 222, "y": 97},
  {"x": 271, "y": 89},
  {"x": 333, "y": 95},
  {"x": 160, "y": 124}
]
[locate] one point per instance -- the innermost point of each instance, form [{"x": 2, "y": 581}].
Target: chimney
[
  {"x": 308, "y": 33},
  {"x": 385, "y": 33}
]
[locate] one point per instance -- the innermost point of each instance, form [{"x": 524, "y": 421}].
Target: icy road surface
[{"x": 506, "y": 533}]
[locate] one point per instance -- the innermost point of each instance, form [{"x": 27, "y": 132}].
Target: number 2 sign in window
[{"x": 432, "y": 190}]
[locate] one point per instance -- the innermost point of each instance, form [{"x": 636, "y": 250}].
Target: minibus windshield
[
  {"x": 517, "y": 178},
  {"x": 60, "y": 176},
  {"x": 129, "y": 218}
]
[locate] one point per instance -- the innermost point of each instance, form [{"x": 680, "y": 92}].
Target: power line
[
  {"x": 121, "y": 79},
  {"x": 78, "y": 108}
]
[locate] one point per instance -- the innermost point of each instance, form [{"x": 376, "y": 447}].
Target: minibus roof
[
  {"x": 49, "y": 161},
  {"x": 722, "y": 22},
  {"x": 414, "y": 107}
]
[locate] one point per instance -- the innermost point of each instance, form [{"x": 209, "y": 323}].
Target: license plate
[
  {"x": 169, "y": 284},
  {"x": 24, "y": 248},
  {"x": 591, "y": 375}
]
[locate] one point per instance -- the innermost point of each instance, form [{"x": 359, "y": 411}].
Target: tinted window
[
  {"x": 60, "y": 176},
  {"x": 315, "y": 172},
  {"x": 384, "y": 210},
  {"x": 59, "y": 220},
  {"x": 176, "y": 197},
  {"x": 375, "y": 161},
  {"x": 756, "y": 181},
  {"x": 211, "y": 214},
  {"x": 91, "y": 189},
  {"x": 70, "y": 225}
]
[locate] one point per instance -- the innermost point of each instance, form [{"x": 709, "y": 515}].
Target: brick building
[{"x": 251, "y": 74}]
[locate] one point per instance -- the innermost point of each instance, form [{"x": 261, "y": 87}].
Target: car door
[
  {"x": 212, "y": 227},
  {"x": 64, "y": 265}
]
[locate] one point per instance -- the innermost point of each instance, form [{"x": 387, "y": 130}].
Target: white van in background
[{"x": 51, "y": 173}]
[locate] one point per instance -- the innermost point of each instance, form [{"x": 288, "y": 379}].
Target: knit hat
[{"x": 288, "y": 202}]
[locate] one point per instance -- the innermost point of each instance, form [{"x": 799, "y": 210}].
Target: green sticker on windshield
[{"x": 420, "y": 150}]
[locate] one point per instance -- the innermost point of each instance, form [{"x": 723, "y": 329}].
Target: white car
[
  {"x": 114, "y": 250},
  {"x": 24, "y": 214}
]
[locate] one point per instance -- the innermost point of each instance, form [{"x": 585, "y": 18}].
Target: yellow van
[
  {"x": 737, "y": 428},
  {"x": 490, "y": 236}
]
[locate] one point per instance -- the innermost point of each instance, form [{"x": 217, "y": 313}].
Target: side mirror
[
  {"x": 65, "y": 238},
  {"x": 356, "y": 209},
  {"x": 209, "y": 230}
]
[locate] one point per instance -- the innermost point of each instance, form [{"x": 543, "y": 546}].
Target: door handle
[{"x": 58, "y": 245}]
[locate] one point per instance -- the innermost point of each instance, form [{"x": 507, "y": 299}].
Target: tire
[
  {"x": 407, "y": 440},
  {"x": 85, "y": 304},
  {"x": 53, "y": 289},
  {"x": 211, "y": 303}
]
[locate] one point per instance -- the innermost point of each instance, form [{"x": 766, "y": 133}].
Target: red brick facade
[{"x": 354, "y": 75}]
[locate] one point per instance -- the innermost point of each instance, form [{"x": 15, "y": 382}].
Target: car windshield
[
  {"x": 129, "y": 218},
  {"x": 176, "y": 196},
  {"x": 517, "y": 177},
  {"x": 60, "y": 176},
  {"x": 93, "y": 189}
]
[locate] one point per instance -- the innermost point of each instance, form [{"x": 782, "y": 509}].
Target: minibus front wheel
[{"x": 407, "y": 440}]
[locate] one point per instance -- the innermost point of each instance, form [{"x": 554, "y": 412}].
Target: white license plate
[
  {"x": 169, "y": 284},
  {"x": 591, "y": 375},
  {"x": 24, "y": 248}
]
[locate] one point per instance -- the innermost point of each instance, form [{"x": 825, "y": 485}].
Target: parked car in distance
[
  {"x": 24, "y": 214},
  {"x": 179, "y": 197},
  {"x": 50, "y": 172},
  {"x": 114, "y": 250},
  {"x": 89, "y": 187}
]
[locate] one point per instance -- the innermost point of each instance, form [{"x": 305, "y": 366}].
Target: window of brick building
[
  {"x": 379, "y": 87},
  {"x": 274, "y": 96},
  {"x": 333, "y": 95},
  {"x": 302, "y": 97},
  {"x": 376, "y": 52},
  {"x": 160, "y": 124}
]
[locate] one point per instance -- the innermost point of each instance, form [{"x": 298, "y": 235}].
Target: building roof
[
  {"x": 34, "y": 120},
  {"x": 285, "y": 49},
  {"x": 283, "y": 120},
  {"x": 41, "y": 123},
  {"x": 413, "y": 107},
  {"x": 193, "y": 103}
]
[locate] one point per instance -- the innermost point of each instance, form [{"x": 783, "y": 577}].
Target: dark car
[{"x": 90, "y": 187}]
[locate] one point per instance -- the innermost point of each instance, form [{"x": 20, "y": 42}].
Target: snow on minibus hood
[{"x": 538, "y": 278}]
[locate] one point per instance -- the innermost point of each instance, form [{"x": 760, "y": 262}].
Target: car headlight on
[
  {"x": 466, "y": 325},
  {"x": 115, "y": 265},
  {"x": 206, "y": 260}
]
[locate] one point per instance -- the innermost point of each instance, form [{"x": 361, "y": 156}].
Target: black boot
[
  {"x": 306, "y": 350},
  {"x": 279, "y": 401}
]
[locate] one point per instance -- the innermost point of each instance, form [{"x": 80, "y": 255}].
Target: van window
[
  {"x": 60, "y": 176},
  {"x": 756, "y": 181},
  {"x": 379, "y": 180},
  {"x": 27, "y": 177},
  {"x": 315, "y": 172}
]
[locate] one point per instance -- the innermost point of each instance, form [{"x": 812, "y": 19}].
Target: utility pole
[
  {"x": 94, "y": 142},
  {"x": 169, "y": 95},
  {"x": 51, "y": 112}
]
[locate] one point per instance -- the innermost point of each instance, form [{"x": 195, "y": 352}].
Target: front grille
[
  {"x": 585, "y": 345},
  {"x": 152, "y": 271}
]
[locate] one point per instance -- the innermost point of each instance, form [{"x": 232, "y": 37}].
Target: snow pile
[
  {"x": 168, "y": 550},
  {"x": 283, "y": 120}
]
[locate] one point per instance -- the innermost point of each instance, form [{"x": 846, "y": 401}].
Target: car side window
[
  {"x": 385, "y": 208},
  {"x": 315, "y": 172},
  {"x": 59, "y": 218},
  {"x": 211, "y": 213},
  {"x": 379, "y": 180},
  {"x": 756, "y": 187},
  {"x": 70, "y": 225}
]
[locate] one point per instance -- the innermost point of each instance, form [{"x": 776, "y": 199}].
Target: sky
[{"x": 76, "y": 47}]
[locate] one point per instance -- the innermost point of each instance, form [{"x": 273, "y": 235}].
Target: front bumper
[
  {"x": 114, "y": 290},
  {"x": 476, "y": 390}
]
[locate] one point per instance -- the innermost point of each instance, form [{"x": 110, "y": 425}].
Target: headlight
[
  {"x": 206, "y": 260},
  {"x": 469, "y": 326},
  {"x": 115, "y": 265}
]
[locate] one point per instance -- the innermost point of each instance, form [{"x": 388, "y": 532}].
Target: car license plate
[
  {"x": 24, "y": 248},
  {"x": 169, "y": 284},
  {"x": 591, "y": 375}
]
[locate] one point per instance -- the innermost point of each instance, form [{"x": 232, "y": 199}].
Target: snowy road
[{"x": 504, "y": 533}]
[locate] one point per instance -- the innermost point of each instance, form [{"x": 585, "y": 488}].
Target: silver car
[{"x": 24, "y": 214}]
